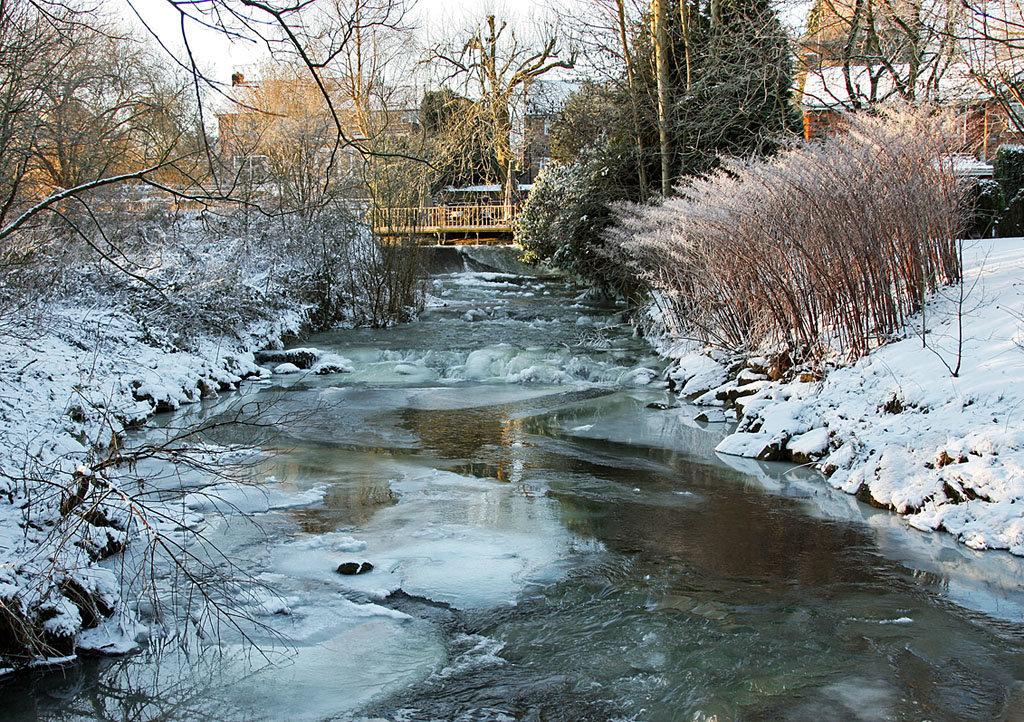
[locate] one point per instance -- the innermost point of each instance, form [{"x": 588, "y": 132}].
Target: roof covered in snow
[
  {"x": 827, "y": 88},
  {"x": 968, "y": 165},
  {"x": 488, "y": 188}
]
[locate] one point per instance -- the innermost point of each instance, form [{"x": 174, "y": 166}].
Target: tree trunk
[
  {"x": 661, "y": 68},
  {"x": 631, "y": 76},
  {"x": 684, "y": 18}
]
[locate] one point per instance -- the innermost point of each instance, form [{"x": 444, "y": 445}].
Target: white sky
[
  {"x": 220, "y": 56},
  {"x": 215, "y": 53}
]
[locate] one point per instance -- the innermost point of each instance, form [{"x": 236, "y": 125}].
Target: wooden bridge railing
[{"x": 444, "y": 219}]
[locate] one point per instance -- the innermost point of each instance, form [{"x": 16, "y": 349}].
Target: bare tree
[
  {"x": 491, "y": 63},
  {"x": 988, "y": 37},
  {"x": 917, "y": 50}
]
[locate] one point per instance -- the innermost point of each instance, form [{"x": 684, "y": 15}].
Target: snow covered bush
[
  {"x": 828, "y": 247},
  {"x": 564, "y": 215},
  {"x": 217, "y": 271}
]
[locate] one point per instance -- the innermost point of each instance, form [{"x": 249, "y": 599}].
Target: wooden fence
[{"x": 443, "y": 220}]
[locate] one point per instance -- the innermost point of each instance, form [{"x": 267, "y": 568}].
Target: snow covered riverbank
[
  {"x": 898, "y": 428},
  {"x": 68, "y": 391}
]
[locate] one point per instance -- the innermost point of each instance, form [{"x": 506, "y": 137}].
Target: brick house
[
  {"x": 545, "y": 99},
  {"x": 278, "y": 107},
  {"x": 826, "y": 96}
]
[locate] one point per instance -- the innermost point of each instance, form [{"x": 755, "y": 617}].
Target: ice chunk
[{"x": 237, "y": 498}]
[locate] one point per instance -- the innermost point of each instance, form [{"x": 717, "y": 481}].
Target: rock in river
[
  {"x": 350, "y": 568},
  {"x": 304, "y": 358}
]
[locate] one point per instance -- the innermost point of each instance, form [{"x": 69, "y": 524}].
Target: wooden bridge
[{"x": 446, "y": 225}]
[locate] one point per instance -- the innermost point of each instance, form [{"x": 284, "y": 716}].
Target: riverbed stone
[
  {"x": 304, "y": 358},
  {"x": 711, "y": 416},
  {"x": 331, "y": 368}
]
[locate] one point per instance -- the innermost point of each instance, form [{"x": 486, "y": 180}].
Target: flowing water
[{"x": 547, "y": 545}]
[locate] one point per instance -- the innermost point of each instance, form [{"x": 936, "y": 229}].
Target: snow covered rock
[
  {"x": 756, "y": 445},
  {"x": 638, "y": 377},
  {"x": 809, "y": 447},
  {"x": 303, "y": 358},
  {"x": 711, "y": 416},
  {"x": 330, "y": 363}
]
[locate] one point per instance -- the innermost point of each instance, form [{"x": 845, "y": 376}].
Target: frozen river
[{"x": 548, "y": 543}]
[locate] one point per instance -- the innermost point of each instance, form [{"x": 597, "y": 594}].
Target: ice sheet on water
[
  {"x": 450, "y": 538},
  {"x": 623, "y": 417},
  {"x": 264, "y": 602},
  {"x": 333, "y": 541},
  {"x": 861, "y": 699},
  {"x": 238, "y": 498},
  {"x": 464, "y": 397},
  {"x": 340, "y": 668}
]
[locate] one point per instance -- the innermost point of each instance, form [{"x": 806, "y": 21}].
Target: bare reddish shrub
[{"x": 829, "y": 246}]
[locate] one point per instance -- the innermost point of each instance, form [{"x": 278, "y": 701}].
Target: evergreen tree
[
  {"x": 738, "y": 99},
  {"x": 726, "y": 92}
]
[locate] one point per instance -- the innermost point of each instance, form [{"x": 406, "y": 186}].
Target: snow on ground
[
  {"x": 67, "y": 393},
  {"x": 897, "y": 428}
]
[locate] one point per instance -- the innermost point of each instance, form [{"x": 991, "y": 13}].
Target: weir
[{"x": 437, "y": 259}]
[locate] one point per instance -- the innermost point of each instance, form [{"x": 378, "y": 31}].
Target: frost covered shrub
[
  {"x": 342, "y": 274},
  {"x": 827, "y": 247},
  {"x": 185, "y": 276},
  {"x": 564, "y": 216},
  {"x": 23, "y": 289},
  {"x": 387, "y": 286},
  {"x": 179, "y": 278}
]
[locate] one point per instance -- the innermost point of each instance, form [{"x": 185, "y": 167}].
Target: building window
[{"x": 251, "y": 168}]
